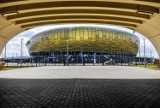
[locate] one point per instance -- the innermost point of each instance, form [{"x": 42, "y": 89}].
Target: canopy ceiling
[{"x": 139, "y": 15}]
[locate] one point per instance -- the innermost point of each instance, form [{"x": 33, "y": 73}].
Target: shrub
[
  {"x": 2, "y": 63},
  {"x": 157, "y": 62}
]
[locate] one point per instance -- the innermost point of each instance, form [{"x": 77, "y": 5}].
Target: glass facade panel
[{"x": 84, "y": 39}]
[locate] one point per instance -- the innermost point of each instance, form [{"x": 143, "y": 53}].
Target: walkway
[
  {"x": 87, "y": 72},
  {"x": 85, "y": 87}
]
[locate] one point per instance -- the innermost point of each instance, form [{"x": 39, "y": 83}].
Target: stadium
[{"x": 71, "y": 45}]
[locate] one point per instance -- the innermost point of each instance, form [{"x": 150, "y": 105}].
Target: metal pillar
[
  {"x": 21, "y": 51},
  {"x": 144, "y": 52}
]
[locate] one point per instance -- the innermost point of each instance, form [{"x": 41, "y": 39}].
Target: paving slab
[{"x": 80, "y": 87}]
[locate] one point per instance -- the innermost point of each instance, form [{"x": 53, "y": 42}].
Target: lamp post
[
  {"x": 139, "y": 55},
  {"x": 144, "y": 52},
  {"x": 21, "y": 51},
  {"x": 67, "y": 52},
  {"x": 5, "y": 52},
  {"x": 82, "y": 58},
  {"x": 151, "y": 56}
]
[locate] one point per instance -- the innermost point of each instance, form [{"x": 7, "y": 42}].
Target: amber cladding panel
[{"x": 88, "y": 39}]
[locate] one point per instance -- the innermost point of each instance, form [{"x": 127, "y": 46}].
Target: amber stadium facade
[{"x": 83, "y": 45}]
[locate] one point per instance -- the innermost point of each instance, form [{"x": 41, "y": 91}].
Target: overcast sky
[{"x": 14, "y": 45}]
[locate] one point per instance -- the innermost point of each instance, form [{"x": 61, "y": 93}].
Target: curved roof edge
[{"x": 84, "y": 26}]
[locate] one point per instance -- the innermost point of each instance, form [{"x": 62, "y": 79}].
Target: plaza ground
[
  {"x": 86, "y": 72},
  {"x": 80, "y": 86}
]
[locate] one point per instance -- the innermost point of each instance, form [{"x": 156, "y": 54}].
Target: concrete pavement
[
  {"x": 80, "y": 87},
  {"x": 67, "y": 72}
]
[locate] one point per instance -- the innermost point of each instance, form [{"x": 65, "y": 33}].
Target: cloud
[{"x": 14, "y": 45}]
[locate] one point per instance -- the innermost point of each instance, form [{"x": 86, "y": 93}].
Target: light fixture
[
  {"x": 10, "y": 13},
  {"x": 145, "y": 12},
  {"x": 133, "y": 31},
  {"x": 142, "y": 11}
]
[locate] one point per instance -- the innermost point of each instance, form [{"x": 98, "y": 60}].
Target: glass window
[
  {"x": 126, "y": 36},
  {"x": 104, "y": 36},
  {"x": 66, "y": 34},
  {"x": 45, "y": 36},
  {"x": 93, "y": 34},
  {"x": 110, "y": 35},
  {"x": 116, "y": 35},
  {"x": 113, "y": 35},
  {"x": 86, "y": 34},
  {"x": 70, "y": 36},
  {"x": 42, "y": 37},
  {"x": 129, "y": 37},
  {"x": 120, "y": 35},
  {"x": 55, "y": 35},
  {"x": 81, "y": 33},
  {"x": 62, "y": 34},
  {"x": 89, "y": 33},
  {"x": 107, "y": 34},
  {"x": 103, "y": 31},
  {"x": 100, "y": 34},
  {"x": 28, "y": 43},
  {"x": 97, "y": 36}
]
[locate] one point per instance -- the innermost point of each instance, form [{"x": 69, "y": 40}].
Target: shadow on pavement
[{"x": 50, "y": 93}]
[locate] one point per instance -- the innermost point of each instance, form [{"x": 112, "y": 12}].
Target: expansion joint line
[
  {"x": 154, "y": 36},
  {"x": 4, "y": 37},
  {"x": 153, "y": 26},
  {"x": 6, "y": 26}
]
